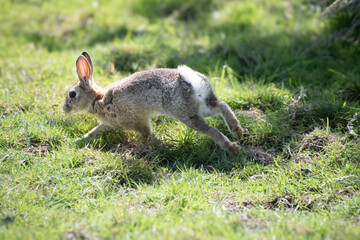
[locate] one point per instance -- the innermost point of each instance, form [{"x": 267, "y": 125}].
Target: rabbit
[{"x": 129, "y": 104}]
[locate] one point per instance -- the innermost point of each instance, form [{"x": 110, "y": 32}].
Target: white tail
[{"x": 190, "y": 76}]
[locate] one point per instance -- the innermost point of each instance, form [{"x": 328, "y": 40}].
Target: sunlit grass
[{"x": 291, "y": 86}]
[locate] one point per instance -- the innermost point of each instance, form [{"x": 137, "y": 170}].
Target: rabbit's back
[{"x": 157, "y": 91}]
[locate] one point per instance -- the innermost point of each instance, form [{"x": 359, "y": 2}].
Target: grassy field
[{"x": 294, "y": 88}]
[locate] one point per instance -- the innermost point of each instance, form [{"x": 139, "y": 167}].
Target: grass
[{"x": 291, "y": 84}]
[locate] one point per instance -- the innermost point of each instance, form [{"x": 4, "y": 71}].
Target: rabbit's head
[{"x": 81, "y": 95}]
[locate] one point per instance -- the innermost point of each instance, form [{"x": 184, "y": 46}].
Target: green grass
[{"x": 293, "y": 87}]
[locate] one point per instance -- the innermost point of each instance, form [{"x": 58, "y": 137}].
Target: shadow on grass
[
  {"x": 183, "y": 152},
  {"x": 147, "y": 162}
]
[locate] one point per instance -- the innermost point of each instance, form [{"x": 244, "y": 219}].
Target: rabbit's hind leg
[
  {"x": 199, "y": 124},
  {"x": 230, "y": 119}
]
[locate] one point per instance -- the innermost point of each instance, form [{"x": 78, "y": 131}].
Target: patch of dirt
[
  {"x": 76, "y": 235},
  {"x": 236, "y": 207},
  {"x": 230, "y": 202},
  {"x": 252, "y": 112},
  {"x": 38, "y": 148},
  {"x": 311, "y": 145},
  {"x": 258, "y": 154},
  {"x": 308, "y": 158},
  {"x": 287, "y": 202},
  {"x": 317, "y": 140},
  {"x": 149, "y": 210}
]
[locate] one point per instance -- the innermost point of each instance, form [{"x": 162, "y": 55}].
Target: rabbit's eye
[{"x": 72, "y": 94}]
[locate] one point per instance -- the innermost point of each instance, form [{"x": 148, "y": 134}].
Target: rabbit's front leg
[
  {"x": 144, "y": 127},
  {"x": 94, "y": 132}
]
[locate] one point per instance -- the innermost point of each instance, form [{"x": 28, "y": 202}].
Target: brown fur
[{"x": 129, "y": 104}]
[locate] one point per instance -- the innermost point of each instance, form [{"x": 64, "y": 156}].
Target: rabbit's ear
[
  {"x": 84, "y": 70},
  {"x": 87, "y": 56}
]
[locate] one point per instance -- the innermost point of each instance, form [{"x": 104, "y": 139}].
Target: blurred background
[
  {"x": 309, "y": 47},
  {"x": 260, "y": 38}
]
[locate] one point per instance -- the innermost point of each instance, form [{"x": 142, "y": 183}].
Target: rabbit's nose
[{"x": 66, "y": 108}]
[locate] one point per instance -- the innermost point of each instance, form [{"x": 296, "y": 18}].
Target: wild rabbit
[{"x": 128, "y": 104}]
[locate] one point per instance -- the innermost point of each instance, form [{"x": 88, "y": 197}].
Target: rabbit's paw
[
  {"x": 234, "y": 148},
  {"x": 238, "y": 132}
]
